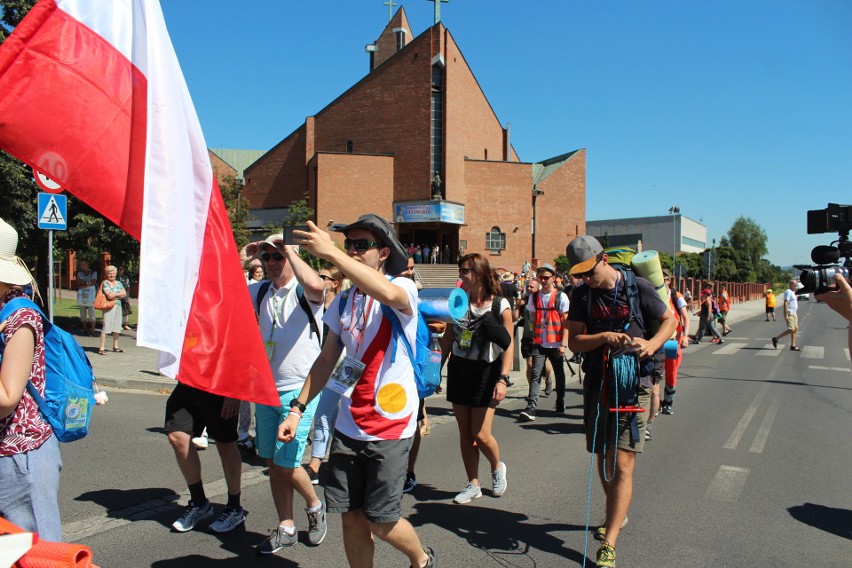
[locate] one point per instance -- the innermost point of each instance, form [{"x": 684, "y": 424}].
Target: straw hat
[{"x": 12, "y": 269}]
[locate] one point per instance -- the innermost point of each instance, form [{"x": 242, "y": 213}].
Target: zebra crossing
[{"x": 762, "y": 347}]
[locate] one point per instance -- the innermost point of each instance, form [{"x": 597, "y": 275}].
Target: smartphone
[{"x": 288, "y": 233}]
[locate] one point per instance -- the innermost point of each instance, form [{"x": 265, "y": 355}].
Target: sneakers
[
  {"x": 247, "y": 446},
  {"x": 230, "y": 519},
  {"x": 647, "y": 432},
  {"x": 600, "y": 532},
  {"x": 191, "y": 515},
  {"x": 606, "y": 557},
  {"x": 410, "y": 482},
  {"x": 667, "y": 409},
  {"x": 548, "y": 387},
  {"x": 498, "y": 480},
  {"x": 277, "y": 540},
  {"x": 774, "y": 343},
  {"x": 468, "y": 494},
  {"x": 317, "y": 527},
  {"x": 200, "y": 442},
  {"x": 431, "y": 562},
  {"x": 795, "y": 349},
  {"x": 527, "y": 415}
]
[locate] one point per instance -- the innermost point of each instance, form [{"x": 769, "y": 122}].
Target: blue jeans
[
  {"x": 29, "y": 490},
  {"x": 539, "y": 355}
]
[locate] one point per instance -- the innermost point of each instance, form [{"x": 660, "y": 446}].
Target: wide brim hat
[
  {"x": 398, "y": 259},
  {"x": 583, "y": 253},
  {"x": 12, "y": 269}
]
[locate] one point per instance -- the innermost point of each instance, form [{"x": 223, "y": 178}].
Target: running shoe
[
  {"x": 527, "y": 415},
  {"x": 606, "y": 557},
  {"x": 431, "y": 563},
  {"x": 317, "y": 526},
  {"x": 795, "y": 349},
  {"x": 410, "y": 482},
  {"x": 498, "y": 480},
  {"x": 548, "y": 387},
  {"x": 200, "y": 442},
  {"x": 277, "y": 540},
  {"x": 191, "y": 515},
  {"x": 469, "y": 493},
  {"x": 774, "y": 343},
  {"x": 231, "y": 518},
  {"x": 648, "y": 432},
  {"x": 667, "y": 409},
  {"x": 600, "y": 532}
]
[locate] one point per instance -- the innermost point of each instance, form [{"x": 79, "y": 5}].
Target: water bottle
[{"x": 433, "y": 369}]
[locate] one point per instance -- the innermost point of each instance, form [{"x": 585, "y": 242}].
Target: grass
[{"x": 66, "y": 314}]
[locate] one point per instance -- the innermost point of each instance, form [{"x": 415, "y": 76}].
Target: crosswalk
[{"x": 762, "y": 347}]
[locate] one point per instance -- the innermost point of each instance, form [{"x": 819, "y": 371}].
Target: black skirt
[{"x": 471, "y": 382}]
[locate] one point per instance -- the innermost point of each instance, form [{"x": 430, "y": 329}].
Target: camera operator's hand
[{"x": 840, "y": 298}]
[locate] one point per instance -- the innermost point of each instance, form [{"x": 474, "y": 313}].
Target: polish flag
[{"x": 92, "y": 95}]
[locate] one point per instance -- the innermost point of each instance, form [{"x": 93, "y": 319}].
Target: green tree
[
  {"x": 238, "y": 209},
  {"x": 561, "y": 264},
  {"x": 748, "y": 239},
  {"x": 11, "y": 14}
]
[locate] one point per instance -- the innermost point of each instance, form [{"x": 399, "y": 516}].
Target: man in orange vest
[
  {"x": 549, "y": 309},
  {"x": 678, "y": 306},
  {"x": 724, "y": 302}
]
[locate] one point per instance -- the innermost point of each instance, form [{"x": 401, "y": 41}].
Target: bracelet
[
  {"x": 297, "y": 412},
  {"x": 504, "y": 379}
]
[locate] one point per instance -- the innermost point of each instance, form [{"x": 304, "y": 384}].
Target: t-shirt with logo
[{"x": 383, "y": 405}]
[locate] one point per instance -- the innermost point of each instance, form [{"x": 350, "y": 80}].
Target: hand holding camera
[{"x": 839, "y": 298}]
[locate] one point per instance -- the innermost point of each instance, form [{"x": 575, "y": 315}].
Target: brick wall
[{"x": 561, "y": 211}]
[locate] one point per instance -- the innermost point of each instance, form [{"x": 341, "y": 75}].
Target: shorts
[
  {"x": 368, "y": 476},
  {"x": 471, "y": 383},
  {"x": 770, "y": 310},
  {"x": 659, "y": 367},
  {"x": 191, "y": 410},
  {"x": 268, "y": 418},
  {"x": 600, "y": 424},
  {"x": 723, "y": 316},
  {"x": 793, "y": 321}
]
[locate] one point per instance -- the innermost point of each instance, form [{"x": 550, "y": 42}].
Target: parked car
[{"x": 802, "y": 295}]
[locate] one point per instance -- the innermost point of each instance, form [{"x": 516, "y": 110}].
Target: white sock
[
  {"x": 316, "y": 509},
  {"x": 289, "y": 530}
]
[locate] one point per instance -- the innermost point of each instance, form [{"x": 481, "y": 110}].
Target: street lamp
[{"x": 674, "y": 210}]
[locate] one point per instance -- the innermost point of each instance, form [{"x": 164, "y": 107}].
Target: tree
[
  {"x": 748, "y": 240},
  {"x": 237, "y": 207},
  {"x": 561, "y": 264}
]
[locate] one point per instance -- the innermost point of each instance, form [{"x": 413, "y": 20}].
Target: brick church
[{"x": 417, "y": 142}]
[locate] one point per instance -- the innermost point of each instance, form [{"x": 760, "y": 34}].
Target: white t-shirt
[
  {"x": 561, "y": 307},
  {"x": 384, "y": 404},
  {"x": 283, "y": 321},
  {"x": 791, "y": 300}
]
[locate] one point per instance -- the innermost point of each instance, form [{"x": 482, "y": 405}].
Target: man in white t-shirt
[
  {"x": 791, "y": 307},
  {"x": 289, "y": 306},
  {"x": 378, "y": 410}
]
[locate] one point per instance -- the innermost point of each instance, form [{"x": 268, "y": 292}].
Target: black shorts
[
  {"x": 471, "y": 383},
  {"x": 368, "y": 476},
  {"x": 190, "y": 410}
]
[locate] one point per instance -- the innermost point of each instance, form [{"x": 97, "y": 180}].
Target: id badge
[
  {"x": 270, "y": 349},
  {"x": 345, "y": 375},
  {"x": 465, "y": 339}
]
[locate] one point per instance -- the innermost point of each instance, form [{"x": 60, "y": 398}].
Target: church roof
[
  {"x": 540, "y": 170},
  {"x": 238, "y": 159}
]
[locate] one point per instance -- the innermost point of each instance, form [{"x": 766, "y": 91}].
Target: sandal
[
  {"x": 117, "y": 350},
  {"x": 101, "y": 352},
  {"x": 795, "y": 349}
]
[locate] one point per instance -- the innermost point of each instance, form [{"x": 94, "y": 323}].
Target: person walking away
[
  {"x": 724, "y": 302},
  {"x": 548, "y": 309},
  {"x": 113, "y": 290},
  {"x": 87, "y": 280},
  {"x": 791, "y": 317},
  {"x": 290, "y": 306},
  {"x": 378, "y": 412},
  {"x": 601, "y": 323},
  {"x": 480, "y": 348},
  {"x": 770, "y": 304},
  {"x": 29, "y": 452}
]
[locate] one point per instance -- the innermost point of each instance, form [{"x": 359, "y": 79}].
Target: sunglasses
[
  {"x": 464, "y": 271},
  {"x": 545, "y": 276},
  {"x": 326, "y": 278},
  {"x": 359, "y": 244},
  {"x": 589, "y": 273},
  {"x": 267, "y": 256}
]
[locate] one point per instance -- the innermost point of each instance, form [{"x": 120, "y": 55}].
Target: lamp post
[{"x": 674, "y": 210}]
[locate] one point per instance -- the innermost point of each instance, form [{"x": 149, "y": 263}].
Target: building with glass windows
[{"x": 417, "y": 142}]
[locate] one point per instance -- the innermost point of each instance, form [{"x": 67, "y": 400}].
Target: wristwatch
[{"x": 297, "y": 405}]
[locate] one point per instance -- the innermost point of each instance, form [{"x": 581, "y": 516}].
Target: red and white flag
[{"x": 91, "y": 93}]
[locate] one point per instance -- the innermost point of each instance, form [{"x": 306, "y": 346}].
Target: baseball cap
[
  {"x": 548, "y": 267},
  {"x": 583, "y": 253}
]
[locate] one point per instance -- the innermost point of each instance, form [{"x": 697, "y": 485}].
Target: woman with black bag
[{"x": 478, "y": 371}]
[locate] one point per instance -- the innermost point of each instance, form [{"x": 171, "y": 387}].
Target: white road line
[
  {"x": 846, "y": 350},
  {"x": 729, "y": 348},
  {"x": 813, "y": 352},
  {"x": 694, "y": 348},
  {"x": 765, "y": 427},
  {"x": 738, "y": 432},
  {"x": 840, "y": 369},
  {"x": 768, "y": 351},
  {"x": 728, "y": 484}
]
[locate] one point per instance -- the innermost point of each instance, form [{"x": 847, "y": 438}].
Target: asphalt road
[{"x": 751, "y": 470}]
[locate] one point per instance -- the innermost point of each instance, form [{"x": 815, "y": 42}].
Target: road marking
[
  {"x": 738, "y": 432},
  {"x": 693, "y": 348},
  {"x": 765, "y": 427},
  {"x": 813, "y": 352},
  {"x": 846, "y": 350},
  {"x": 840, "y": 369},
  {"x": 768, "y": 351},
  {"x": 728, "y": 484},
  {"x": 729, "y": 348}
]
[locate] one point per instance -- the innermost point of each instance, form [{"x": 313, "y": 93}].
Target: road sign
[
  {"x": 52, "y": 211},
  {"x": 46, "y": 183}
]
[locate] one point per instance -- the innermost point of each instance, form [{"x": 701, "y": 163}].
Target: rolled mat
[
  {"x": 46, "y": 554},
  {"x": 647, "y": 265},
  {"x": 670, "y": 348},
  {"x": 442, "y": 304}
]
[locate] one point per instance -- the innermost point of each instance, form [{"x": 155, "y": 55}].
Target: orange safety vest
[
  {"x": 770, "y": 300},
  {"x": 724, "y": 302},
  {"x": 673, "y": 303},
  {"x": 548, "y": 320}
]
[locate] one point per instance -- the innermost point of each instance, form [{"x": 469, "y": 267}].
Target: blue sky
[{"x": 724, "y": 108}]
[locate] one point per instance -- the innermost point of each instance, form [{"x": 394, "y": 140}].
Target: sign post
[{"x": 52, "y": 215}]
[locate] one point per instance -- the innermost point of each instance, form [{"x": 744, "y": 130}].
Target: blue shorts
[{"x": 268, "y": 418}]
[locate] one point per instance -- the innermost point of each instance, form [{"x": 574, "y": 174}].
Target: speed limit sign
[{"x": 46, "y": 183}]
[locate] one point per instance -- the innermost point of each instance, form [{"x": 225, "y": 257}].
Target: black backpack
[{"x": 303, "y": 302}]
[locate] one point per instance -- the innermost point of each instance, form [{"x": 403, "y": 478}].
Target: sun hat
[
  {"x": 398, "y": 259},
  {"x": 12, "y": 269},
  {"x": 507, "y": 277},
  {"x": 769, "y": 290},
  {"x": 583, "y": 253}
]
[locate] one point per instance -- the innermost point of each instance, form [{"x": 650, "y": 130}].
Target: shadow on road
[
  {"x": 125, "y": 503},
  {"x": 829, "y": 519},
  {"x": 241, "y": 543}
]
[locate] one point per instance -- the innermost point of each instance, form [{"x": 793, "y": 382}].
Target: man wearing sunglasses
[
  {"x": 600, "y": 324},
  {"x": 288, "y": 307},
  {"x": 378, "y": 409}
]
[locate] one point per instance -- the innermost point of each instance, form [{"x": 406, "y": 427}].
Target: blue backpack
[
  {"x": 425, "y": 381},
  {"x": 69, "y": 393}
]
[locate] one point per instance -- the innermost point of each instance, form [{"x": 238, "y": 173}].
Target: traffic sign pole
[{"x": 50, "y": 274}]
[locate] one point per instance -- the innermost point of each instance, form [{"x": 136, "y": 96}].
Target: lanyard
[
  {"x": 277, "y": 305},
  {"x": 358, "y": 338}
]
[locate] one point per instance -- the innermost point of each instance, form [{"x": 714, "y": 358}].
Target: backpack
[
  {"x": 303, "y": 303},
  {"x": 425, "y": 381},
  {"x": 69, "y": 392},
  {"x": 716, "y": 312}
]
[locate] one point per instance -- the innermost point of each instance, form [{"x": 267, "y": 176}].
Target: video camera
[{"x": 834, "y": 218}]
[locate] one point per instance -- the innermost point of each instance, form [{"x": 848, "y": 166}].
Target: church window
[{"x": 495, "y": 241}]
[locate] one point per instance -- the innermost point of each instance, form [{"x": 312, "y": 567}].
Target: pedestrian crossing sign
[{"x": 52, "y": 211}]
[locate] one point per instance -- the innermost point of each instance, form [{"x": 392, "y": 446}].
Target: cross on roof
[
  {"x": 390, "y": 4},
  {"x": 438, "y": 8}
]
